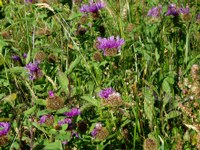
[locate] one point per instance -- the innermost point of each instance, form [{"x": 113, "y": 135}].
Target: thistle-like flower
[
  {"x": 34, "y": 70},
  {"x": 73, "y": 112},
  {"x": 47, "y": 119},
  {"x": 172, "y": 10},
  {"x": 16, "y": 58},
  {"x": 100, "y": 132},
  {"x": 4, "y": 128},
  {"x": 155, "y": 11},
  {"x": 110, "y": 46},
  {"x": 92, "y": 7},
  {"x": 54, "y": 102}
]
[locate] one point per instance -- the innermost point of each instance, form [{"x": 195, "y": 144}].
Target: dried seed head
[
  {"x": 82, "y": 126},
  {"x": 81, "y": 31},
  {"x": 52, "y": 58},
  {"x": 195, "y": 89},
  {"x": 97, "y": 56},
  {"x": 3, "y": 140},
  {"x": 102, "y": 134},
  {"x": 130, "y": 27},
  {"x": 54, "y": 103},
  {"x": 195, "y": 72},
  {"x": 111, "y": 52},
  {"x": 43, "y": 31},
  {"x": 40, "y": 56},
  {"x": 150, "y": 144},
  {"x": 113, "y": 100}
]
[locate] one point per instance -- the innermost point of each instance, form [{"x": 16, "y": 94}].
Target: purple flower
[
  {"x": 106, "y": 92},
  {"x": 92, "y": 7},
  {"x": 73, "y": 112},
  {"x": 34, "y": 70},
  {"x": 109, "y": 44},
  {"x": 29, "y": 1},
  {"x": 51, "y": 94},
  {"x": 65, "y": 121},
  {"x": 97, "y": 128},
  {"x": 24, "y": 55},
  {"x": 4, "y": 128},
  {"x": 172, "y": 10},
  {"x": 155, "y": 11},
  {"x": 184, "y": 11},
  {"x": 16, "y": 58},
  {"x": 45, "y": 118}
]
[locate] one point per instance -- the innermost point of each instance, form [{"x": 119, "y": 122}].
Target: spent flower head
[
  {"x": 155, "y": 11},
  {"x": 47, "y": 119},
  {"x": 92, "y": 7},
  {"x": 110, "y": 46},
  {"x": 4, "y": 128}
]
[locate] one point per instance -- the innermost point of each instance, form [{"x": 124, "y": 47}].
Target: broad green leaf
[
  {"x": 30, "y": 111},
  {"x": 91, "y": 100},
  {"x": 172, "y": 114},
  {"x": 166, "y": 86},
  {"x": 73, "y": 65},
  {"x": 11, "y": 99},
  {"x": 53, "y": 146},
  {"x": 63, "y": 81}
]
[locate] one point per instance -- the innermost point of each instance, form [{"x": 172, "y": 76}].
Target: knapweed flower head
[
  {"x": 175, "y": 11},
  {"x": 54, "y": 102},
  {"x": 24, "y": 55},
  {"x": 65, "y": 121},
  {"x": 110, "y": 46},
  {"x": 73, "y": 112},
  {"x": 155, "y": 11},
  {"x": 34, "y": 70},
  {"x": 105, "y": 93},
  {"x": 15, "y": 58},
  {"x": 99, "y": 132},
  {"x": 4, "y": 128},
  {"x": 47, "y": 119},
  {"x": 92, "y": 7},
  {"x": 110, "y": 97}
]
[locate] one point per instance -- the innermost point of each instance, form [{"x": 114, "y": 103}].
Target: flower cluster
[
  {"x": 110, "y": 46},
  {"x": 73, "y": 112},
  {"x": 92, "y": 7},
  {"x": 34, "y": 70},
  {"x": 155, "y": 11},
  {"x": 4, "y": 128}
]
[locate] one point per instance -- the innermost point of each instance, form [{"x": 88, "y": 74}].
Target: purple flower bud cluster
[
  {"x": 4, "y": 128},
  {"x": 92, "y": 7}
]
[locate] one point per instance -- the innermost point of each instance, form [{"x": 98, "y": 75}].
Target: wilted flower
[
  {"x": 155, "y": 11},
  {"x": 34, "y": 70},
  {"x": 110, "y": 46},
  {"x": 47, "y": 119},
  {"x": 105, "y": 93},
  {"x": 65, "y": 121},
  {"x": 16, "y": 58},
  {"x": 93, "y": 7},
  {"x": 99, "y": 132},
  {"x": 73, "y": 112}
]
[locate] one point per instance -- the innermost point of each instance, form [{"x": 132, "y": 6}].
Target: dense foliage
[{"x": 99, "y": 74}]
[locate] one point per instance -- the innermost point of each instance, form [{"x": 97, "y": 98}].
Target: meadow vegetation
[{"x": 104, "y": 74}]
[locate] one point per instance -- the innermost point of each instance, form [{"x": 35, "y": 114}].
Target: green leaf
[
  {"x": 73, "y": 65},
  {"x": 17, "y": 70},
  {"x": 40, "y": 102},
  {"x": 166, "y": 86},
  {"x": 91, "y": 100},
  {"x": 57, "y": 145},
  {"x": 2, "y": 61},
  {"x": 63, "y": 81},
  {"x": 30, "y": 111},
  {"x": 173, "y": 114}
]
